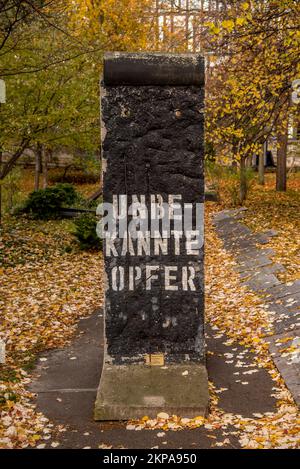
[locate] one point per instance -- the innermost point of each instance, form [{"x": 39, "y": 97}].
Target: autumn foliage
[{"x": 257, "y": 47}]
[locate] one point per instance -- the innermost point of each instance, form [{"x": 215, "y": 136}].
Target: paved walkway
[
  {"x": 66, "y": 380},
  {"x": 66, "y": 386},
  {"x": 258, "y": 272}
]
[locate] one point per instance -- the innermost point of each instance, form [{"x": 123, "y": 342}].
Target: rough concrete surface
[{"x": 133, "y": 391}]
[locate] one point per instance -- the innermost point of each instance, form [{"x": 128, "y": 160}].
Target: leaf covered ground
[
  {"x": 47, "y": 284},
  {"x": 270, "y": 210}
]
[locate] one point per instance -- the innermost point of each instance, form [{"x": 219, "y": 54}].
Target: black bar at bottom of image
[{"x": 139, "y": 457}]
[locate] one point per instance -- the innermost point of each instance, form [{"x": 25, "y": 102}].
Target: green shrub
[
  {"x": 68, "y": 193},
  {"x": 210, "y": 152},
  {"x": 46, "y": 203},
  {"x": 233, "y": 184},
  {"x": 85, "y": 232},
  {"x": 225, "y": 180},
  {"x": 214, "y": 173}
]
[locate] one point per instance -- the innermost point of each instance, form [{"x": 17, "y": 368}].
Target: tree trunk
[
  {"x": 10, "y": 197},
  {"x": 234, "y": 164},
  {"x": 45, "y": 167},
  {"x": 243, "y": 181},
  {"x": 261, "y": 165},
  {"x": 282, "y": 141},
  {"x": 38, "y": 168},
  {"x": 7, "y": 166}
]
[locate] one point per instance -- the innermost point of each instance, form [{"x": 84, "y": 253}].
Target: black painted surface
[{"x": 154, "y": 145}]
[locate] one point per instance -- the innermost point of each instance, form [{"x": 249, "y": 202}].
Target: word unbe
[{"x": 148, "y": 214}]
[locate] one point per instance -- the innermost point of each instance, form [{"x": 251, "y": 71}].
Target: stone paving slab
[
  {"x": 238, "y": 245},
  {"x": 267, "y": 269},
  {"x": 291, "y": 301},
  {"x": 262, "y": 238},
  {"x": 237, "y": 237},
  {"x": 279, "y": 309},
  {"x": 236, "y": 230},
  {"x": 259, "y": 261},
  {"x": 225, "y": 214},
  {"x": 285, "y": 319},
  {"x": 243, "y": 243},
  {"x": 261, "y": 282},
  {"x": 250, "y": 249},
  {"x": 271, "y": 233},
  {"x": 254, "y": 253},
  {"x": 285, "y": 351},
  {"x": 284, "y": 290},
  {"x": 287, "y": 324}
]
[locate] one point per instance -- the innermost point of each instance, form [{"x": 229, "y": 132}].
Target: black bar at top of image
[{"x": 121, "y": 68}]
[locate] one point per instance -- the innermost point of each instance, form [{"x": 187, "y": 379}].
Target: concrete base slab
[{"x": 133, "y": 391}]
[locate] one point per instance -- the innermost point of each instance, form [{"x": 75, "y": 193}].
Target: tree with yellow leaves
[
  {"x": 249, "y": 88},
  {"x": 113, "y": 24}
]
